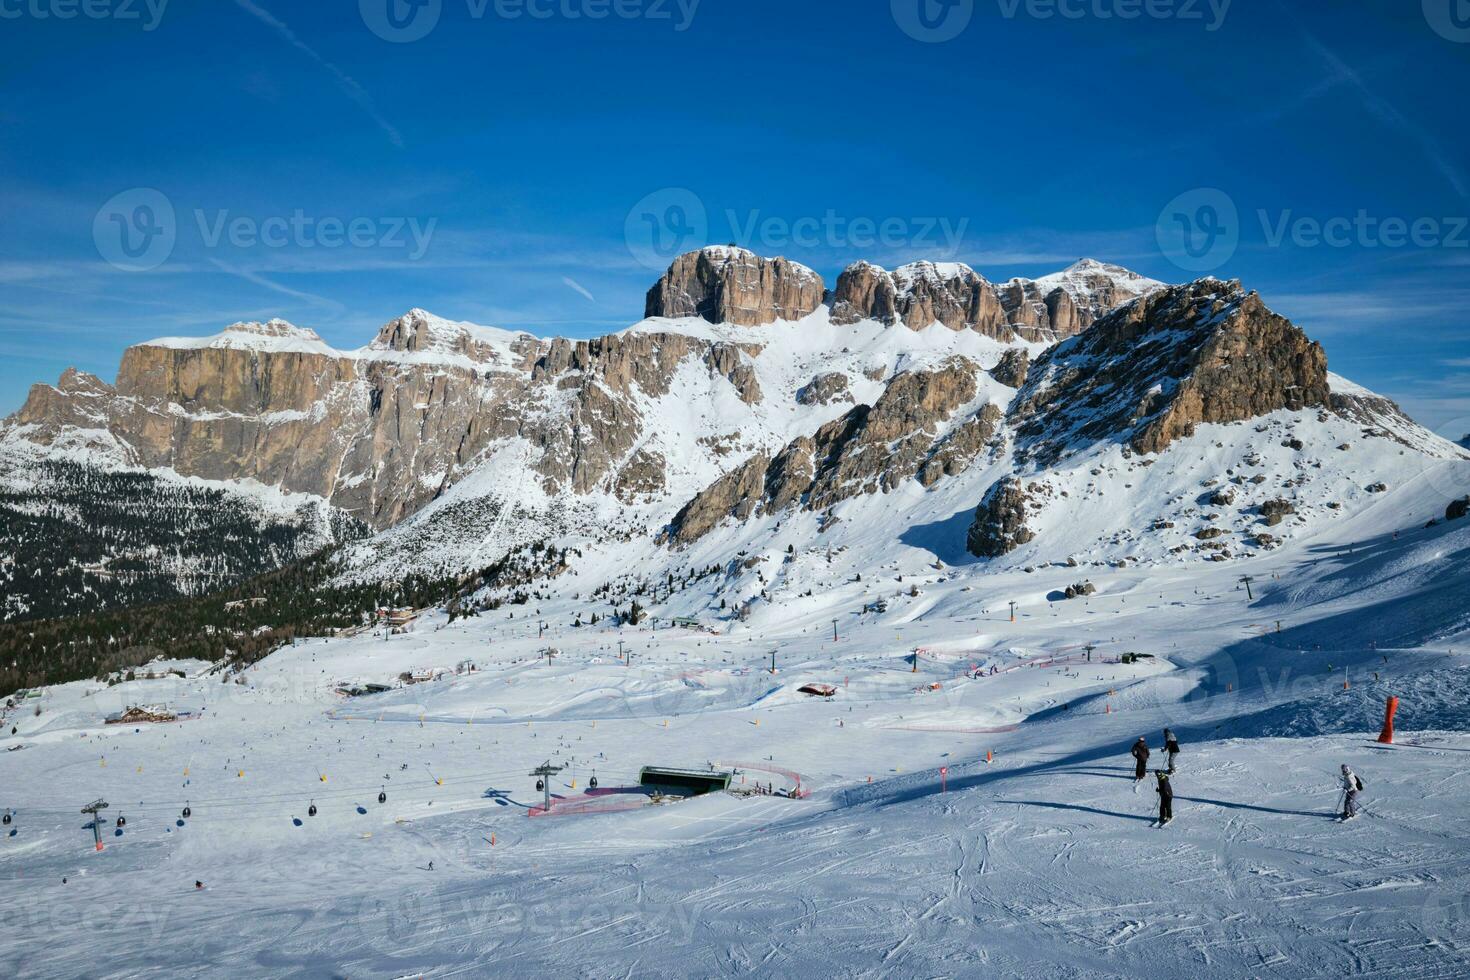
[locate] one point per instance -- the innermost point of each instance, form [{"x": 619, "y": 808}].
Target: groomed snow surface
[{"x": 1040, "y": 863}]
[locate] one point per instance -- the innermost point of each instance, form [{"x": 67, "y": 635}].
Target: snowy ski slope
[{"x": 1040, "y": 863}]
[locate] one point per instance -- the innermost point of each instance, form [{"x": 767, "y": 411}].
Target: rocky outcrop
[
  {"x": 869, "y": 449},
  {"x": 1066, "y": 303},
  {"x": 1457, "y": 509},
  {"x": 824, "y": 389},
  {"x": 380, "y": 432},
  {"x": 957, "y": 451},
  {"x": 1000, "y": 520},
  {"x": 724, "y": 284},
  {"x": 1012, "y": 367},
  {"x": 734, "y": 495},
  {"x": 1276, "y": 510},
  {"x": 79, "y": 401},
  {"x": 731, "y": 363},
  {"x": 1149, "y": 373},
  {"x": 920, "y": 294},
  {"x": 1381, "y": 418},
  {"x": 865, "y": 292},
  {"x": 953, "y": 294}
]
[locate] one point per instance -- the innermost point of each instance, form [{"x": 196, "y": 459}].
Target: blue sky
[{"x": 526, "y": 150}]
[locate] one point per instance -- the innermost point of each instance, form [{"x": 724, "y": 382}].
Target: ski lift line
[{"x": 289, "y": 798}]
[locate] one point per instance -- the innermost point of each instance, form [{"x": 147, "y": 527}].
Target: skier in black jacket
[
  {"x": 1140, "y": 753},
  {"x": 1166, "y": 798},
  {"x": 1171, "y": 748}
]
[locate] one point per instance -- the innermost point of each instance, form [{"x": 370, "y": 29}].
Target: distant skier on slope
[
  {"x": 1140, "y": 754},
  {"x": 1171, "y": 748},
  {"x": 1166, "y": 798},
  {"x": 1351, "y": 787}
]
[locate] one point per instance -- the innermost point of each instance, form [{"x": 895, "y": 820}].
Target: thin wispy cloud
[
  {"x": 1350, "y": 311},
  {"x": 345, "y": 82},
  {"x": 1388, "y": 114},
  {"x": 578, "y": 287},
  {"x": 263, "y": 282}
]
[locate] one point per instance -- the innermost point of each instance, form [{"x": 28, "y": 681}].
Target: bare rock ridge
[
  {"x": 724, "y": 284},
  {"x": 381, "y": 431},
  {"x": 1000, "y": 520},
  {"x": 869, "y": 449},
  {"x": 1148, "y": 374},
  {"x": 951, "y": 293},
  {"x": 918, "y": 295}
]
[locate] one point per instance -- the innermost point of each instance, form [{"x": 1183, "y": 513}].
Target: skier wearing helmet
[
  {"x": 1351, "y": 787},
  {"x": 1140, "y": 755},
  {"x": 1166, "y": 797},
  {"x": 1171, "y": 748}
]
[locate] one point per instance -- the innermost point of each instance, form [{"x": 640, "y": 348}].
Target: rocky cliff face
[
  {"x": 381, "y": 431},
  {"x": 919, "y": 294},
  {"x": 951, "y": 293},
  {"x": 724, "y": 284},
  {"x": 720, "y": 422},
  {"x": 1000, "y": 520},
  {"x": 1150, "y": 372},
  {"x": 869, "y": 449}
]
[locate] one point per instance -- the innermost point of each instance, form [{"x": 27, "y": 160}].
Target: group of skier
[
  {"x": 1165, "y": 789},
  {"x": 1351, "y": 784}
]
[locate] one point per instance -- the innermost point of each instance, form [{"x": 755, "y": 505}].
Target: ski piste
[{"x": 1046, "y": 821}]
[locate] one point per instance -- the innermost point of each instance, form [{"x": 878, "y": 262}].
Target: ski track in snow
[{"x": 1041, "y": 863}]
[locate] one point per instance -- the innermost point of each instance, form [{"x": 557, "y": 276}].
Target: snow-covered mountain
[{"x": 751, "y": 408}]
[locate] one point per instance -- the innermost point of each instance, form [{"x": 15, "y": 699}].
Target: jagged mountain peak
[
  {"x": 1150, "y": 371},
  {"x": 1085, "y": 277},
  {"x": 905, "y": 276},
  {"x": 420, "y": 332},
  {"x": 728, "y": 284}
]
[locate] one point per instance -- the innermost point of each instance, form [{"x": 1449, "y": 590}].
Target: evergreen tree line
[
  {"x": 304, "y": 599},
  {"x": 75, "y": 540}
]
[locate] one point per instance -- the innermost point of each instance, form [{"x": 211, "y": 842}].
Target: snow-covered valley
[{"x": 931, "y": 818}]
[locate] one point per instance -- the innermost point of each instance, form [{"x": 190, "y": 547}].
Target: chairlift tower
[
  {"x": 95, "y": 808},
  {"x": 543, "y": 773}
]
